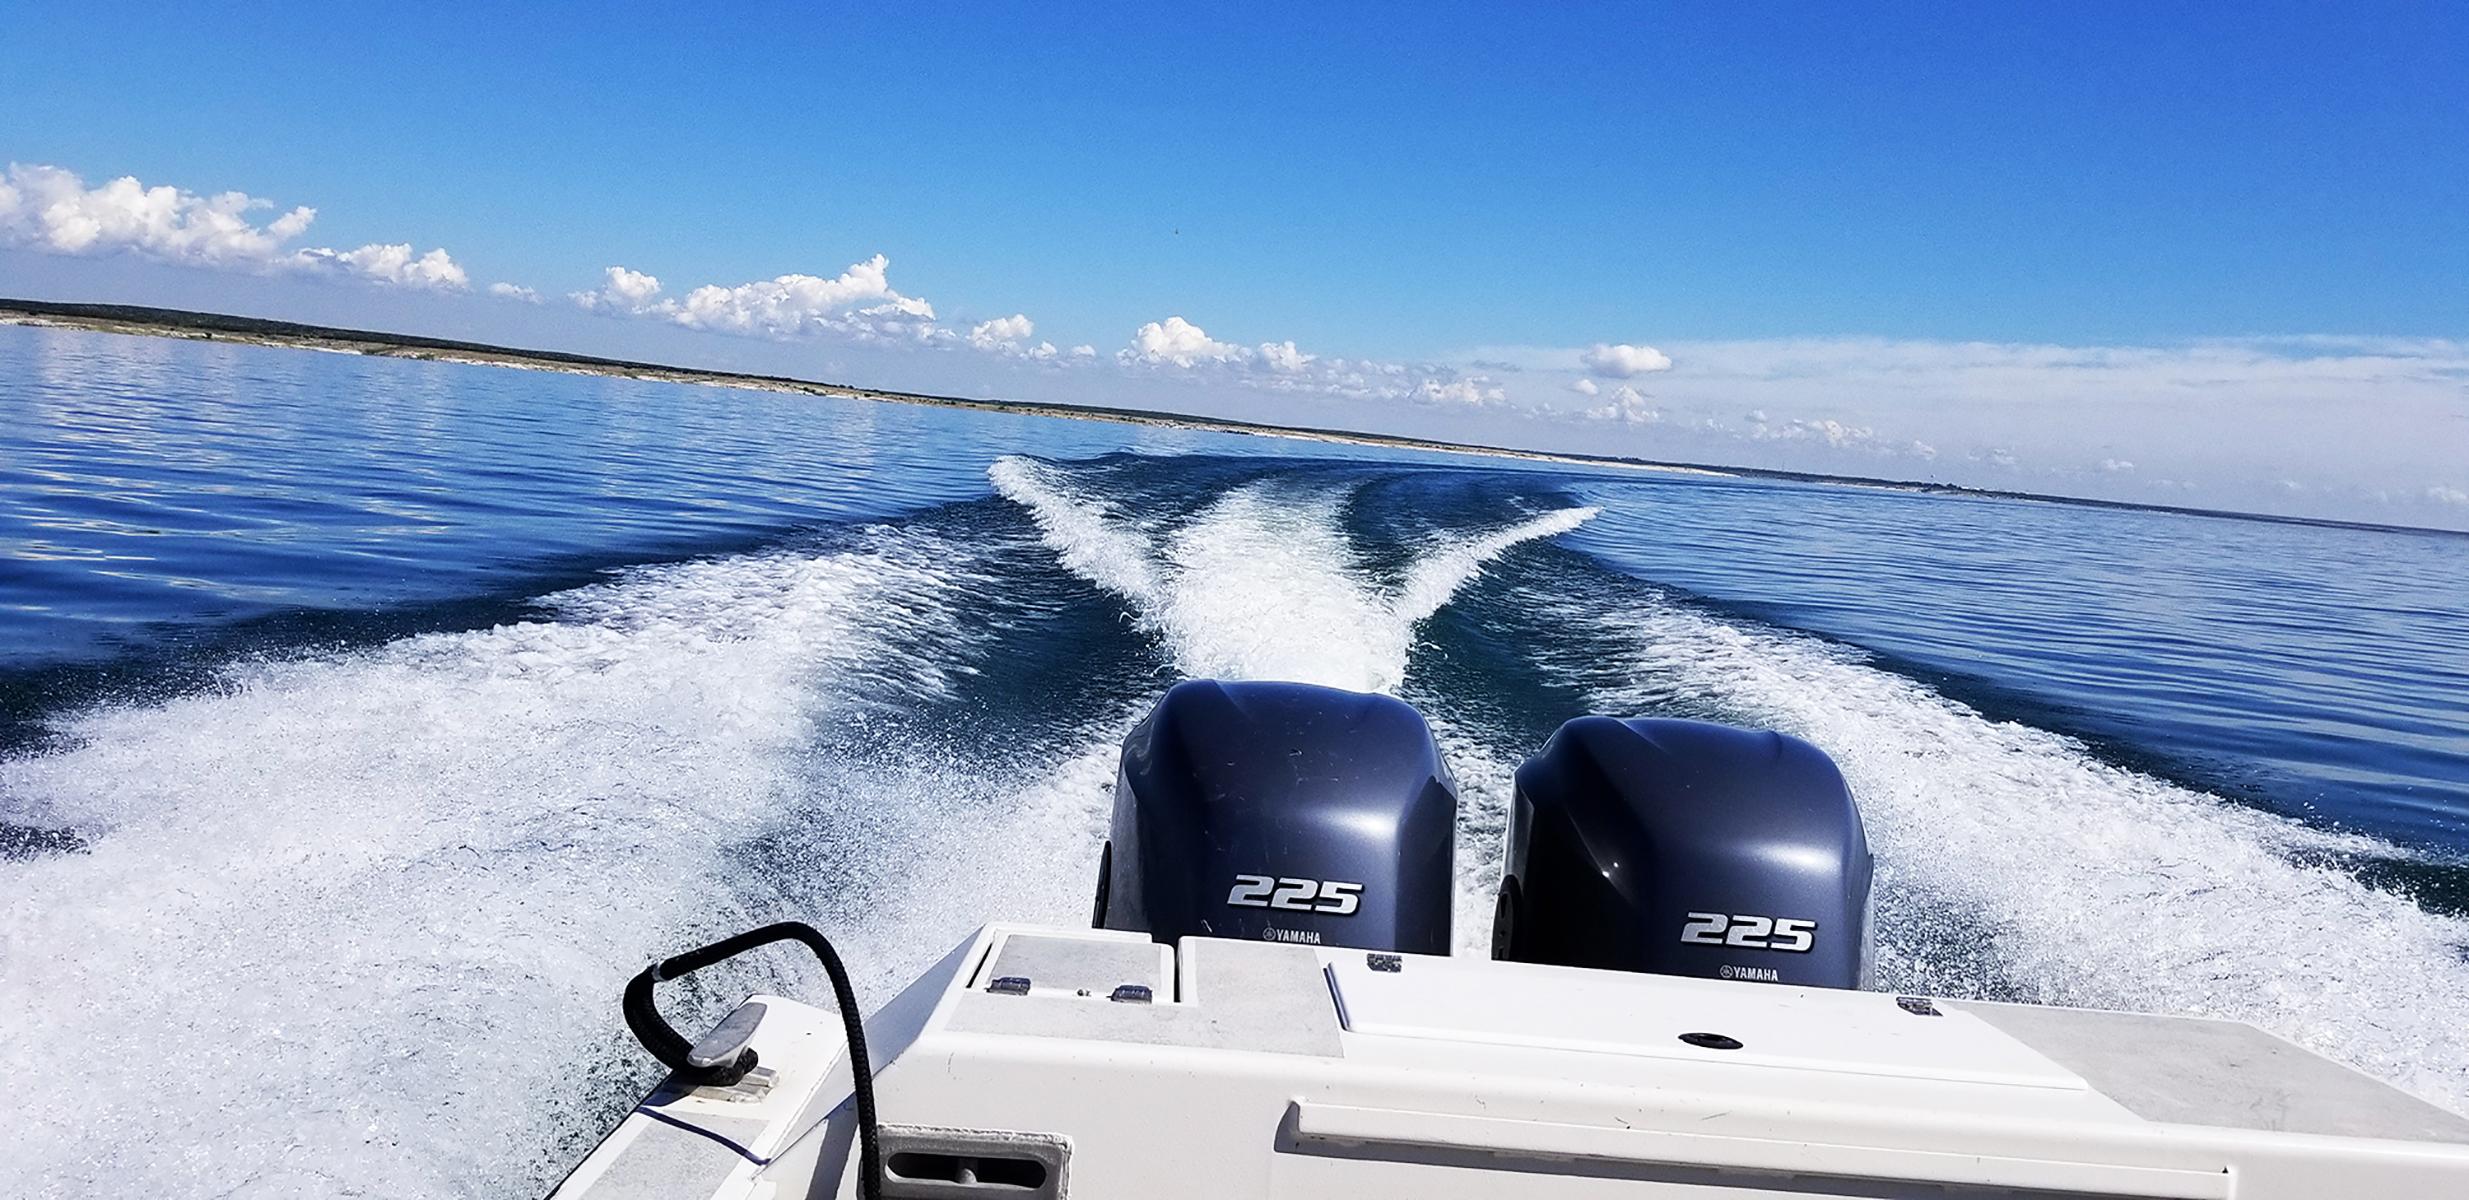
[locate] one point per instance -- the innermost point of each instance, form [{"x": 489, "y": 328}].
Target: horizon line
[{"x": 195, "y": 325}]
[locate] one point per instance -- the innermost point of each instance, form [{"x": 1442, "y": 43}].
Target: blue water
[{"x": 363, "y": 721}]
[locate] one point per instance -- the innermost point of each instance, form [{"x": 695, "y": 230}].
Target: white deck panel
[
  {"x": 1462, "y": 1078},
  {"x": 1600, "y": 1012}
]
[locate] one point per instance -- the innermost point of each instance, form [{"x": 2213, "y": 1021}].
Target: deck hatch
[{"x": 1602, "y": 1012}]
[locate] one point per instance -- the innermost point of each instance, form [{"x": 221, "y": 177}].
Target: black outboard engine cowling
[
  {"x": 1686, "y": 848},
  {"x": 1285, "y": 812}
]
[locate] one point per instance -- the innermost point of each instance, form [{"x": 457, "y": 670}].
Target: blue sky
[{"x": 2090, "y": 248}]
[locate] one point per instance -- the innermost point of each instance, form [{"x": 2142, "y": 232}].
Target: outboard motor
[
  {"x": 1284, "y": 812},
  {"x": 1686, "y": 848}
]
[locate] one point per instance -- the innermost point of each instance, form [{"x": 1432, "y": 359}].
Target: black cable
[{"x": 671, "y": 1048}]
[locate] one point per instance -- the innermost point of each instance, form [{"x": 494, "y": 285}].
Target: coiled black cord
[{"x": 671, "y": 1048}]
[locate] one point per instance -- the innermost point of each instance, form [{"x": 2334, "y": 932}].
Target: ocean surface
[{"x": 365, "y": 723}]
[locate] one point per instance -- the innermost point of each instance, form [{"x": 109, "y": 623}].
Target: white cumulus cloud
[
  {"x": 514, "y": 291},
  {"x": 1623, "y": 361},
  {"x": 397, "y": 263},
  {"x": 2116, "y": 466},
  {"x": 1177, "y": 341},
  {"x": 1586, "y": 387},
  {"x": 860, "y": 300},
  {"x": 859, "y": 303},
  {"x": 1177, "y": 345},
  {"x": 1283, "y": 356},
  {"x": 2448, "y": 495},
  {"x": 623, "y": 292},
  {"x": 1841, "y": 435},
  {"x": 1004, "y": 335},
  {"x": 52, "y": 210},
  {"x": 1470, "y": 390},
  {"x": 1627, "y": 406}
]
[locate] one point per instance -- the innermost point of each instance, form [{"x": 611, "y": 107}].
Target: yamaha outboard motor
[
  {"x": 1686, "y": 848},
  {"x": 1285, "y": 812}
]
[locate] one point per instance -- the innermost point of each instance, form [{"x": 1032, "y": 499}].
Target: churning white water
[{"x": 356, "y": 922}]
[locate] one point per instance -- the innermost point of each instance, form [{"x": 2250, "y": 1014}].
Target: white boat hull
[{"x": 1261, "y": 1069}]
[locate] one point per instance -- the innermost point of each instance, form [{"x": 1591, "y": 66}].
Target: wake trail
[
  {"x": 1262, "y": 582},
  {"x": 2014, "y": 862},
  {"x": 388, "y": 897},
  {"x": 1486, "y": 786}
]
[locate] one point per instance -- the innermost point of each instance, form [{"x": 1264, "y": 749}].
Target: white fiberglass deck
[{"x": 1269, "y": 1070}]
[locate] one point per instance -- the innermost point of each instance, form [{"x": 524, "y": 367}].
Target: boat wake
[
  {"x": 1262, "y": 583},
  {"x": 381, "y": 901},
  {"x": 1265, "y": 583},
  {"x": 2014, "y": 864}
]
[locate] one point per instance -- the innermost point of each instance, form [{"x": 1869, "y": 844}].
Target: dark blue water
[{"x": 363, "y": 721}]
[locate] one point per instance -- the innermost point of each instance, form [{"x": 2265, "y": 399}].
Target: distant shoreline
[
  {"x": 251, "y": 331},
  {"x": 137, "y": 320}
]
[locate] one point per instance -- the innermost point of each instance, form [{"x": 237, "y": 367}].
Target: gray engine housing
[
  {"x": 1285, "y": 812},
  {"x": 1686, "y": 848}
]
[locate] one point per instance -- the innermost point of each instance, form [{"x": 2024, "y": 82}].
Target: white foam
[
  {"x": 1095, "y": 539},
  {"x": 2081, "y": 882},
  {"x": 356, "y": 924},
  {"x": 1263, "y": 583},
  {"x": 1451, "y": 564},
  {"x": 1486, "y": 784}
]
